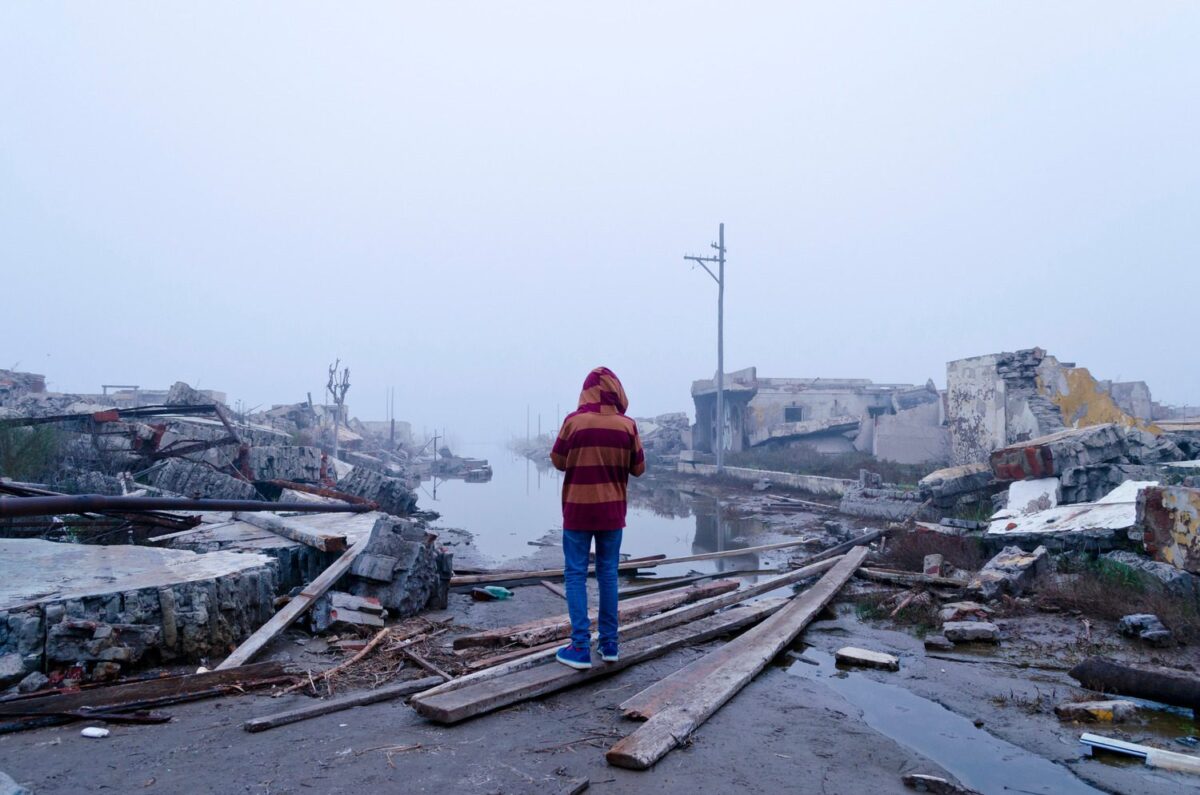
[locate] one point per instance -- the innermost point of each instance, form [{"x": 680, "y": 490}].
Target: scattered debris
[
  {"x": 1154, "y": 757},
  {"x": 94, "y": 732},
  {"x": 327, "y": 706},
  {"x": 938, "y": 643},
  {"x": 964, "y": 611}
]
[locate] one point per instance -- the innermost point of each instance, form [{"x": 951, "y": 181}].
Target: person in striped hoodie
[{"x": 598, "y": 448}]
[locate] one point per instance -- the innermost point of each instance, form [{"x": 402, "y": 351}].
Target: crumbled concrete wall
[
  {"x": 163, "y": 604},
  {"x": 893, "y": 505},
  {"x": 279, "y": 462},
  {"x": 912, "y": 436},
  {"x": 1004, "y": 398},
  {"x": 1090, "y": 483},
  {"x": 1169, "y": 520}
]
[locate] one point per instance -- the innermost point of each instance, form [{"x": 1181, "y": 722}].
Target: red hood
[{"x": 603, "y": 393}]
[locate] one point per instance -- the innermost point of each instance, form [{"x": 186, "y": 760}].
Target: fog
[{"x": 476, "y": 203}]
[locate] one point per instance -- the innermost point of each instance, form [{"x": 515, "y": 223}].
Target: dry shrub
[
  {"x": 907, "y": 550},
  {"x": 1109, "y": 590}
]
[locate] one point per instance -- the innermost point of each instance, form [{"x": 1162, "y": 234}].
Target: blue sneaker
[
  {"x": 579, "y": 657},
  {"x": 608, "y": 651}
]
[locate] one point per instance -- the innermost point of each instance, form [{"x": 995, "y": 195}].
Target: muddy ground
[{"x": 801, "y": 726}]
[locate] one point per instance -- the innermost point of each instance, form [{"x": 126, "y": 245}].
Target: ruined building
[
  {"x": 1002, "y": 398},
  {"x": 897, "y": 422}
]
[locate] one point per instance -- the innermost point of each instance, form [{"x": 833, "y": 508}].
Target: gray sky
[{"x": 478, "y": 202}]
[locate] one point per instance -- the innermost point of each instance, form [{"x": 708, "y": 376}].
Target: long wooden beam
[
  {"x": 692, "y": 697},
  {"x": 288, "y": 614},
  {"x": 543, "y": 630},
  {"x": 476, "y": 579},
  {"x": 326, "y": 706},
  {"x": 453, "y": 706}
]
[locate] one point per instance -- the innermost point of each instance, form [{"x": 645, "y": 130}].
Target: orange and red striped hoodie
[{"x": 598, "y": 448}]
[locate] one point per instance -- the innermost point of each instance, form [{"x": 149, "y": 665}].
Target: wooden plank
[
  {"x": 452, "y": 706},
  {"x": 845, "y": 546},
  {"x": 909, "y": 578},
  {"x": 544, "y": 630},
  {"x": 700, "y": 689},
  {"x": 555, "y": 588},
  {"x": 652, "y": 624},
  {"x": 675, "y": 582},
  {"x": 166, "y": 688},
  {"x": 499, "y": 577},
  {"x": 325, "y": 707},
  {"x": 288, "y": 614},
  {"x": 326, "y": 542}
]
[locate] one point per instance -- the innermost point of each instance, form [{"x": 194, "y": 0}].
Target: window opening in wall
[{"x": 793, "y": 413}]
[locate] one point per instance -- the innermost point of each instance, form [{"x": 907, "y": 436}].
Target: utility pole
[{"x": 719, "y": 278}]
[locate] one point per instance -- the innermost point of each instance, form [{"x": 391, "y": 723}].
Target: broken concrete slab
[
  {"x": 1030, "y": 496},
  {"x": 945, "y": 486},
  {"x": 865, "y": 658},
  {"x": 971, "y": 631},
  {"x": 1115, "y": 711},
  {"x": 1174, "y": 581},
  {"x": 191, "y": 479},
  {"x": 389, "y": 493},
  {"x": 1145, "y": 627},
  {"x": 1090, "y": 483},
  {"x": 1011, "y": 572},
  {"x": 1052, "y": 455},
  {"x": 1107, "y": 520},
  {"x": 75, "y": 602}
]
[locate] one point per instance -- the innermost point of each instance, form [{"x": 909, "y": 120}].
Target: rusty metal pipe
[{"x": 96, "y": 503}]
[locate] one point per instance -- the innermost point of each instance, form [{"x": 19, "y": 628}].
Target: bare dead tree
[{"x": 339, "y": 384}]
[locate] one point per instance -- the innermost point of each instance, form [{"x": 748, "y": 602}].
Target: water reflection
[{"x": 521, "y": 504}]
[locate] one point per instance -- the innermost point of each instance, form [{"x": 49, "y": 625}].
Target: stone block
[
  {"x": 10, "y": 787},
  {"x": 12, "y": 669},
  {"x": 938, "y": 643},
  {"x": 964, "y": 611},
  {"x": 971, "y": 631},
  {"x": 865, "y": 658},
  {"x": 33, "y": 682}
]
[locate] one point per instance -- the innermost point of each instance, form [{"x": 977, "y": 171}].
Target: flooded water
[
  {"x": 977, "y": 758},
  {"x": 521, "y": 504}
]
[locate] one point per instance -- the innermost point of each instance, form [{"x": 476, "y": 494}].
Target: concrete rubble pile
[{"x": 72, "y": 612}]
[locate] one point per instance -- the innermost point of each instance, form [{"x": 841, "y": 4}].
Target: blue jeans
[{"x": 576, "y": 545}]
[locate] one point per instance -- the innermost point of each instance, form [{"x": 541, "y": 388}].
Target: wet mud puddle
[{"x": 978, "y": 759}]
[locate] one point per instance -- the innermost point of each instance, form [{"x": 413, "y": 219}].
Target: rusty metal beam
[
  {"x": 111, "y": 415},
  {"x": 96, "y": 503}
]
